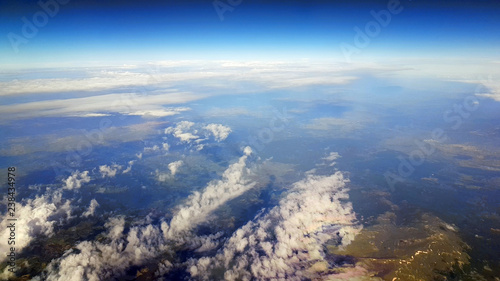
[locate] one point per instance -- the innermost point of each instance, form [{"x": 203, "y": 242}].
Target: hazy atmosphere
[{"x": 250, "y": 140}]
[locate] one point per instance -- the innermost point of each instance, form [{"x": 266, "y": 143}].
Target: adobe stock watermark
[
  {"x": 223, "y": 6},
  {"x": 455, "y": 118},
  {"x": 266, "y": 135},
  {"x": 127, "y": 103},
  {"x": 372, "y": 29},
  {"x": 40, "y": 19}
]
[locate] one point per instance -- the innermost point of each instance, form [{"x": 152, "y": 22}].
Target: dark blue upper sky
[{"x": 128, "y": 31}]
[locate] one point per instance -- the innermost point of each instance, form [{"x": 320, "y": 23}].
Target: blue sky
[{"x": 127, "y": 31}]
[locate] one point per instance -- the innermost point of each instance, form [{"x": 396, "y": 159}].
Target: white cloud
[
  {"x": 180, "y": 131},
  {"x": 174, "y": 166},
  {"x": 115, "y": 227},
  {"x": 235, "y": 181},
  {"x": 129, "y": 168},
  {"x": 311, "y": 172},
  {"x": 491, "y": 89},
  {"x": 109, "y": 171},
  {"x": 91, "y": 115},
  {"x": 183, "y": 125},
  {"x": 161, "y": 177},
  {"x": 270, "y": 73},
  {"x": 156, "y": 88},
  {"x": 188, "y": 132},
  {"x": 186, "y": 137},
  {"x": 76, "y": 179},
  {"x": 331, "y": 158},
  {"x": 95, "y": 261},
  {"x": 35, "y": 217},
  {"x": 98, "y": 261},
  {"x": 247, "y": 150},
  {"x": 219, "y": 131},
  {"x": 204, "y": 243},
  {"x": 285, "y": 242},
  {"x": 125, "y": 103},
  {"x": 91, "y": 210},
  {"x": 110, "y": 259},
  {"x": 165, "y": 146}
]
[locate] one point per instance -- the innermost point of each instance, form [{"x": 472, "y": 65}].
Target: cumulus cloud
[
  {"x": 109, "y": 259},
  {"x": 174, "y": 166},
  {"x": 285, "y": 242},
  {"x": 189, "y": 132},
  {"x": 76, "y": 179},
  {"x": 101, "y": 80},
  {"x": 91, "y": 210},
  {"x": 35, "y": 217},
  {"x": 129, "y": 168},
  {"x": 95, "y": 261},
  {"x": 109, "y": 171},
  {"x": 235, "y": 181},
  {"x": 181, "y": 131},
  {"x": 331, "y": 158},
  {"x": 219, "y": 131},
  {"x": 165, "y": 146},
  {"x": 204, "y": 243},
  {"x": 115, "y": 227},
  {"x": 247, "y": 150},
  {"x": 161, "y": 177}
]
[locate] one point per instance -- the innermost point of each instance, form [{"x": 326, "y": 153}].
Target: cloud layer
[
  {"x": 137, "y": 92},
  {"x": 219, "y": 131},
  {"x": 35, "y": 217},
  {"x": 125, "y": 103},
  {"x": 109, "y": 171},
  {"x": 94, "y": 260},
  {"x": 287, "y": 242},
  {"x": 235, "y": 181},
  {"x": 92, "y": 207},
  {"x": 76, "y": 179},
  {"x": 284, "y": 243},
  {"x": 188, "y": 132}
]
